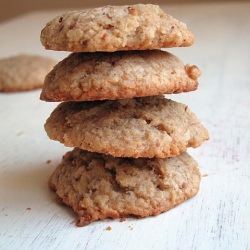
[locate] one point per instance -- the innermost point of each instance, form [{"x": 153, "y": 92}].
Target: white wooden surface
[{"x": 217, "y": 218}]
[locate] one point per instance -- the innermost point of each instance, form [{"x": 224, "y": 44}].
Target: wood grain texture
[{"x": 217, "y": 218}]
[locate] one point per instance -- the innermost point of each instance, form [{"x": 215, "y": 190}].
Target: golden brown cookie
[
  {"x": 124, "y": 74},
  {"x": 24, "y": 72},
  {"x": 139, "y": 127},
  {"x": 97, "y": 186},
  {"x": 112, "y": 28}
]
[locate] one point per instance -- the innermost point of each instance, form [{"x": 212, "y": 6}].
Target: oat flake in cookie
[
  {"x": 24, "y": 72},
  {"x": 139, "y": 127},
  {"x": 113, "y": 28},
  {"x": 117, "y": 75},
  {"x": 97, "y": 186}
]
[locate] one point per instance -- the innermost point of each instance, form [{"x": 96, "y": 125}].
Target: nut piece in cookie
[
  {"x": 139, "y": 127},
  {"x": 97, "y": 186},
  {"x": 24, "y": 72},
  {"x": 118, "y": 75},
  {"x": 113, "y": 28}
]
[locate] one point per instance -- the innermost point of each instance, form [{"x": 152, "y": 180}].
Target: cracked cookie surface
[
  {"x": 98, "y": 186},
  {"x": 113, "y": 28},
  {"x": 118, "y": 75},
  {"x": 139, "y": 127}
]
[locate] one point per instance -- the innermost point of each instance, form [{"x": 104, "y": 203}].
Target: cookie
[
  {"x": 97, "y": 186},
  {"x": 113, "y": 28},
  {"x": 123, "y": 74},
  {"x": 24, "y": 72},
  {"x": 139, "y": 127}
]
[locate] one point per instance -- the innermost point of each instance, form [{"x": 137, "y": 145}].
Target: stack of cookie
[{"x": 130, "y": 142}]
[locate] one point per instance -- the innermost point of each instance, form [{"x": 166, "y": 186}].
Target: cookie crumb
[
  {"x": 130, "y": 227},
  {"x": 48, "y": 161},
  {"x": 28, "y": 208},
  {"x": 205, "y": 175},
  {"x": 122, "y": 219},
  {"x": 193, "y": 71},
  {"x": 109, "y": 228}
]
